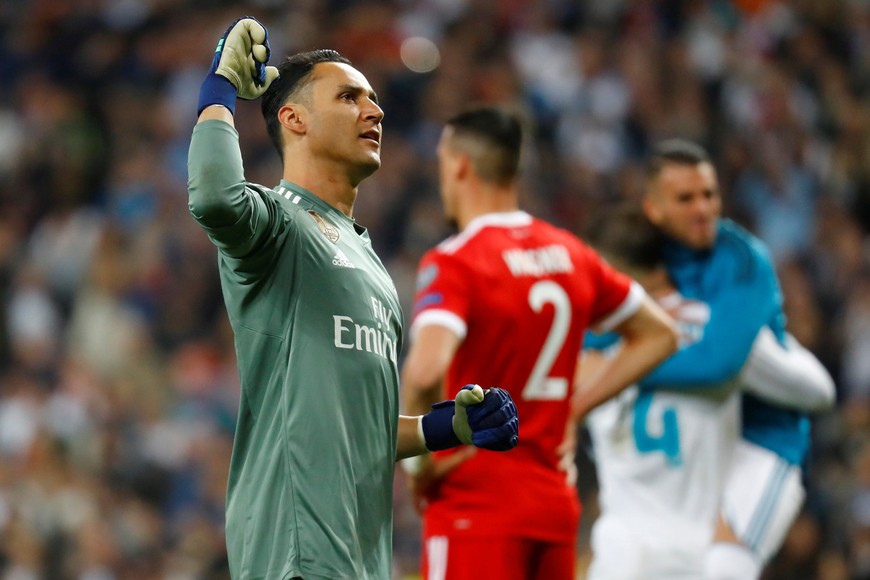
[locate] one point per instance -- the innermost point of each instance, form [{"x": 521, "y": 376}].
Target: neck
[
  {"x": 329, "y": 181},
  {"x": 486, "y": 199}
]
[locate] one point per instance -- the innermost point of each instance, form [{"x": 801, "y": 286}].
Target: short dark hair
[
  {"x": 675, "y": 151},
  {"x": 626, "y": 237},
  {"x": 500, "y": 135},
  {"x": 294, "y": 73}
]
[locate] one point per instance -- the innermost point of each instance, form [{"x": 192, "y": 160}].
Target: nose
[
  {"x": 705, "y": 205},
  {"x": 374, "y": 112}
]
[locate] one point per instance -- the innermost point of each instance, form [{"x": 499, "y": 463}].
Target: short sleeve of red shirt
[
  {"x": 618, "y": 295},
  {"x": 442, "y": 295}
]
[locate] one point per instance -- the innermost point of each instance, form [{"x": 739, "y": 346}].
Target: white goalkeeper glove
[{"x": 238, "y": 68}]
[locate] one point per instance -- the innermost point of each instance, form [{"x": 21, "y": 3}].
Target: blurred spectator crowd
[{"x": 118, "y": 386}]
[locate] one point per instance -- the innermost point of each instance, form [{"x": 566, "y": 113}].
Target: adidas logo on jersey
[{"x": 340, "y": 259}]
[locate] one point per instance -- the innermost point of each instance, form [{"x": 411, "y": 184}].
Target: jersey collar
[
  {"x": 504, "y": 219},
  {"x": 326, "y": 208}
]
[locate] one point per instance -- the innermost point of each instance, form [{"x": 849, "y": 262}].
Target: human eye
[{"x": 348, "y": 96}]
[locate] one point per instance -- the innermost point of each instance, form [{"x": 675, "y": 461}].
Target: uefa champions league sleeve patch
[{"x": 426, "y": 276}]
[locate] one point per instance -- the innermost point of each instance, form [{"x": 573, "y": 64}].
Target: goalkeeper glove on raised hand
[
  {"x": 486, "y": 419},
  {"x": 238, "y": 68}
]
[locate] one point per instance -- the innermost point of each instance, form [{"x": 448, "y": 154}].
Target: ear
[
  {"x": 463, "y": 166},
  {"x": 293, "y": 117},
  {"x": 651, "y": 210}
]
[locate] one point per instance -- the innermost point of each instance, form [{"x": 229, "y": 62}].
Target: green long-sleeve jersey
[{"x": 317, "y": 326}]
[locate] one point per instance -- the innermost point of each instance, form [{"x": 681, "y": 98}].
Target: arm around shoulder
[{"x": 742, "y": 294}]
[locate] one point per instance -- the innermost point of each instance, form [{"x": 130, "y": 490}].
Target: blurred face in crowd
[
  {"x": 344, "y": 118},
  {"x": 684, "y": 202}
]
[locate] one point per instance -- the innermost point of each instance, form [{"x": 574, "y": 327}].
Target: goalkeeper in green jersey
[{"x": 316, "y": 319}]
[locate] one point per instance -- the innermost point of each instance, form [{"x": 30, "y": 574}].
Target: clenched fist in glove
[
  {"x": 238, "y": 69},
  {"x": 486, "y": 419}
]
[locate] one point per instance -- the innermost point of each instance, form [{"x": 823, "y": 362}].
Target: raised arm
[
  {"x": 789, "y": 376},
  {"x": 216, "y": 113},
  {"x": 219, "y": 200}
]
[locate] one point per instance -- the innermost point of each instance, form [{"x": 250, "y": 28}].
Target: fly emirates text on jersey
[{"x": 374, "y": 339}]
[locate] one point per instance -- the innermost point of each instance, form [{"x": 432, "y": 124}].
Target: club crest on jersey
[{"x": 326, "y": 228}]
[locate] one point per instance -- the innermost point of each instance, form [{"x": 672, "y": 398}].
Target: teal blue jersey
[
  {"x": 318, "y": 330},
  {"x": 737, "y": 280}
]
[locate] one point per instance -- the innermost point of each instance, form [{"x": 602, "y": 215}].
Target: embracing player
[{"x": 663, "y": 456}]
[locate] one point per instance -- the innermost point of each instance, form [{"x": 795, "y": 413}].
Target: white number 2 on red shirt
[{"x": 541, "y": 387}]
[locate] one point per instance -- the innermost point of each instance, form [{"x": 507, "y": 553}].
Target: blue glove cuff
[
  {"x": 216, "y": 90},
  {"x": 438, "y": 427}
]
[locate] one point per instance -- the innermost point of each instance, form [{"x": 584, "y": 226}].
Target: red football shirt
[{"x": 520, "y": 293}]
